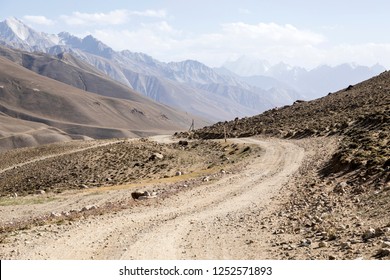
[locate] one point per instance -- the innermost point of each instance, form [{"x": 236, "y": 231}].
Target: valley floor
[{"x": 244, "y": 214}]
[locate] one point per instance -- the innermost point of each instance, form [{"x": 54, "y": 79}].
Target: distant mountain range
[
  {"x": 310, "y": 83},
  {"x": 241, "y": 88},
  {"x": 46, "y": 98},
  {"x": 35, "y": 109},
  {"x": 189, "y": 85}
]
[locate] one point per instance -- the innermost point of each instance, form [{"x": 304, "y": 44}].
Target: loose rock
[{"x": 323, "y": 244}]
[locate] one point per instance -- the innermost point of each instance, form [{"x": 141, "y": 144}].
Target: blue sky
[{"x": 304, "y": 33}]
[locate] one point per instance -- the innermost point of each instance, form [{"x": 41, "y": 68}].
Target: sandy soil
[{"x": 216, "y": 220}]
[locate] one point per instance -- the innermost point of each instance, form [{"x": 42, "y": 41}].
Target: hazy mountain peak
[
  {"x": 93, "y": 40},
  {"x": 94, "y": 46},
  {"x": 248, "y": 66},
  {"x": 377, "y": 68},
  {"x": 70, "y": 40},
  {"x": 195, "y": 72},
  {"x": 18, "y": 35},
  {"x": 88, "y": 44},
  {"x": 189, "y": 65},
  {"x": 138, "y": 56},
  {"x": 18, "y": 27}
]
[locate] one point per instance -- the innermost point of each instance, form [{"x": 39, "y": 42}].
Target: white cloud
[
  {"x": 116, "y": 17},
  {"x": 157, "y": 39},
  {"x": 269, "y": 41},
  {"x": 271, "y": 33},
  {"x": 112, "y": 18},
  {"x": 150, "y": 13},
  {"x": 41, "y": 20},
  {"x": 264, "y": 40}
]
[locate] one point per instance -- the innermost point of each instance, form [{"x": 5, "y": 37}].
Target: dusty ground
[
  {"x": 258, "y": 210},
  {"x": 329, "y": 217},
  {"x": 89, "y": 164}
]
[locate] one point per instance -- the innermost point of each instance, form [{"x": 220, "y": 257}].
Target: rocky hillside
[
  {"x": 96, "y": 163},
  {"x": 338, "y": 208},
  {"x": 359, "y": 113}
]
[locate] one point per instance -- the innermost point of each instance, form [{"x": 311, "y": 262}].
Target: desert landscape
[
  {"x": 115, "y": 155},
  {"x": 254, "y": 198}
]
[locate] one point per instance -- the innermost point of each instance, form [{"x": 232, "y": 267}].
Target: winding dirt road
[{"x": 219, "y": 220}]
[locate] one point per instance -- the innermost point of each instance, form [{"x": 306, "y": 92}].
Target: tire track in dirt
[{"x": 219, "y": 220}]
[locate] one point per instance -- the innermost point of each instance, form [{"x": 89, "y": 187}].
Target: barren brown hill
[
  {"x": 360, "y": 114},
  {"x": 16, "y": 133},
  {"x": 337, "y": 208},
  {"x": 70, "y": 70},
  {"x": 30, "y": 97}
]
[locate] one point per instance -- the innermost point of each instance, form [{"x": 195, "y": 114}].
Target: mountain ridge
[
  {"x": 66, "y": 113},
  {"x": 198, "y": 89},
  {"x": 186, "y": 78},
  {"x": 313, "y": 83}
]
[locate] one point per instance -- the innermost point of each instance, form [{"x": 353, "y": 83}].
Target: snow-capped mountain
[
  {"x": 194, "y": 72},
  {"x": 311, "y": 83},
  {"x": 88, "y": 44},
  {"x": 248, "y": 66},
  {"x": 188, "y": 85},
  {"x": 15, "y": 33}
]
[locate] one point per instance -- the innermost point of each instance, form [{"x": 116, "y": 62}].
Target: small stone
[
  {"x": 156, "y": 156},
  {"x": 179, "y": 173},
  {"x": 385, "y": 244},
  {"x": 323, "y": 244},
  {"x": 383, "y": 252},
  {"x": 342, "y": 227},
  {"x": 279, "y": 231},
  {"x": 379, "y": 232},
  {"x": 55, "y": 215},
  {"x": 89, "y": 207},
  {"x": 370, "y": 233},
  {"x": 146, "y": 193},
  {"x": 248, "y": 242},
  {"x": 345, "y": 245},
  {"x": 183, "y": 143},
  {"x": 137, "y": 194},
  {"x": 340, "y": 188},
  {"x": 305, "y": 243},
  {"x": 324, "y": 234}
]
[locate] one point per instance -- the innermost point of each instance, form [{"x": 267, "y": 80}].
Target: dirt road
[
  {"x": 218, "y": 220},
  {"x": 59, "y": 154}
]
